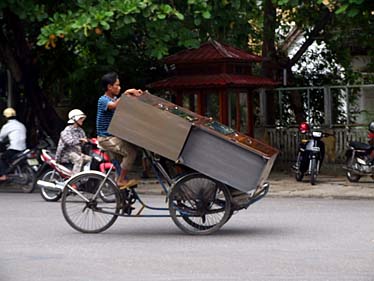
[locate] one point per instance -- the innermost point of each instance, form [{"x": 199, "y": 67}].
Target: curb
[{"x": 327, "y": 188}]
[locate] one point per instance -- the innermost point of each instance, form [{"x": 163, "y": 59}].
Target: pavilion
[{"x": 215, "y": 80}]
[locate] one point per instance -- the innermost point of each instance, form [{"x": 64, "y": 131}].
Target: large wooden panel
[{"x": 143, "y": 122}]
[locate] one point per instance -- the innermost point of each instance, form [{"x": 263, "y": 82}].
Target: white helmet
[
  {"x": 74, "y": 115},
  {"x": 9, "y": 112}
]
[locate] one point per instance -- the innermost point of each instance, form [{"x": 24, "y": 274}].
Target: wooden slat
[{"x": 138, "y": 121}]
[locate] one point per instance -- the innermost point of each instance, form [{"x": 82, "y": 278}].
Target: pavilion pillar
[
  {"x": 250, "y": 116},
  {"x": 201, "y": 102},
  {"x": 191, "y": 102},
  {"x": 179, "y": 98},
  {"x": 237, "y": 111},
  {"x": 223, "y": 107}
]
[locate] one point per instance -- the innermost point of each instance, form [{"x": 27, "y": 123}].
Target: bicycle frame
[
  {"x": 91, "y": 200},
  {"x": 158, "y": 170}
]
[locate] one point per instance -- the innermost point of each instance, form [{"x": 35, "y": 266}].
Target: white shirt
[{"x": 16, "y": 132}]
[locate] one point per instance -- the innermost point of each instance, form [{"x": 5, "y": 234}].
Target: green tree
[
  {"x": 60, "y": 49},
  {"x": 51, "y": 47},
  {"x": 333, "y": 22}
]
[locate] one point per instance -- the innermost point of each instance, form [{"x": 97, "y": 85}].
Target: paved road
[{"x": 275, "y": 239}]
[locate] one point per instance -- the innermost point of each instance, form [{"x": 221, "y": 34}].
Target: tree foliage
[{"x": 60, "y": 49}]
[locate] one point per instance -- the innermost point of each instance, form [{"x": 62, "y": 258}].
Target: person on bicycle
[
  {"x": 118, "y": 148},
  {"x": 14, "y": 132},
  {"x": 69, "y": 148}
]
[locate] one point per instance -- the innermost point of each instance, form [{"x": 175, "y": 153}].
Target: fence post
[
  {"x": 308, "y": 97},
  {"x": 328, "y": 106},
  {"x": 347, "y": 102},
  {"x": 262, "y": 96}
]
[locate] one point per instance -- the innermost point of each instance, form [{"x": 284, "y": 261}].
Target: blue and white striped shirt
[{"x": 104, "y": 116}]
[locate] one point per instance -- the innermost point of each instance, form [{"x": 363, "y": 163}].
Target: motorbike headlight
[
  {"x": 317, "y": 134},
  {"x": 97, "y": 157}
]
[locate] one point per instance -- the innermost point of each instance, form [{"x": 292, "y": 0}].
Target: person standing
[
  {"x": 69, "y": 148},
  {"x": 15, "y": 132},
  {"x": 119, "y": 149}
]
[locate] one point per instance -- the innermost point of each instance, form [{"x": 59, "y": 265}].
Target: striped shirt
[{"x": 104, "y": 116}]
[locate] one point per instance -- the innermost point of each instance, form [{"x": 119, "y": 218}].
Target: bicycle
[{"x": 91, "y": 201}]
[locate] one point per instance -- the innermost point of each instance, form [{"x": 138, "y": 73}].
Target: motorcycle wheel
[
  {"x": 352, "y": 177},
  {"x": 105, "y": 196},
  {"x": 50, "y": 175},
  {"x": 26, "y": 179},
  {"x": 299, "y": 176},
  {"x": 313, "y": 172}
]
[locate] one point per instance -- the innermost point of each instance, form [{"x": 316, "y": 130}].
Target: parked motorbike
[
  {"x": 358, "y": 160},
  {"x": 52, "y": 175},
  {"x": 310, "y": 154},
  {"x": 21, "y": 170}
]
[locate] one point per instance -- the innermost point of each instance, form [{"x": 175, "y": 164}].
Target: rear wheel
[
  {"x": 50, "y": 195},
  {"x": 299, "y": 176},
  {"x": 26, "y": 178},
  {"x": 85, "y": 213},
  {"x": 199, "y": 205}
]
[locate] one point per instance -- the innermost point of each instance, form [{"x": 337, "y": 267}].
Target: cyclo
[{"x": 201, "y": 196}]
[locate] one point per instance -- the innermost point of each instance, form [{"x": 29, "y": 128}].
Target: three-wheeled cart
[{"x": 214, "y": 170}]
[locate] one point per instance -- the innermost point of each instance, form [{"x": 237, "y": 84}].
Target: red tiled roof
[
  {"x": 209, "y": 81},
  {"x": 211, "y": 51}
]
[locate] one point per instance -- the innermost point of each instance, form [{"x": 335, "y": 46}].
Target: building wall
[{"x": 366, "y": 102}]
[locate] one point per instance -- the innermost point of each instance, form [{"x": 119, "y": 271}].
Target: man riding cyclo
[{"x": 118, "y": 148}]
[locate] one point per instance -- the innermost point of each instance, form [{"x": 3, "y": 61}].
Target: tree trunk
[
  {"x": 273, "y": 64},
  {"x": 268, "y": 54},
  {"x": 34, "y": 111}
]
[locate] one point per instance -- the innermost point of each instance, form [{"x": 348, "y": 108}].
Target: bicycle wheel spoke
[
  {"x": 199, "y": 205},
  {"x": 95, "y": 214}
]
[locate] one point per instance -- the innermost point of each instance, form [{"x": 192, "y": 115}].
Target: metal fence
[
  {"x": 288, "y": 139},
  {"x": 325, "y": 106},
  {"x": 344, "y": 112}
]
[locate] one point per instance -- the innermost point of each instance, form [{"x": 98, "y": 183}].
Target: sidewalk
[
  {"x": 327, "y": 186},
  {"x": 283, "y": 184}
]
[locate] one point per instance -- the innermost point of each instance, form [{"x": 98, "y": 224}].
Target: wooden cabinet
[{"x": 195, "y": 141}]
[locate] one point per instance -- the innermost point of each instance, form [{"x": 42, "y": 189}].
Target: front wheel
[
  {"x": 199, "y": 204},
  {"x": 352, "y": 177},
  {"x": 313, "y": 171},
  {"x": 85, "y": 212},
  {"x": 50, "y": 195}
]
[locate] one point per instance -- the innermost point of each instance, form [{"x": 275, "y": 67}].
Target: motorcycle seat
[
  {"x": 360, "y": 145},
  {"x": 19, "y": 154},
  {"x": 68, "y": 165}
]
